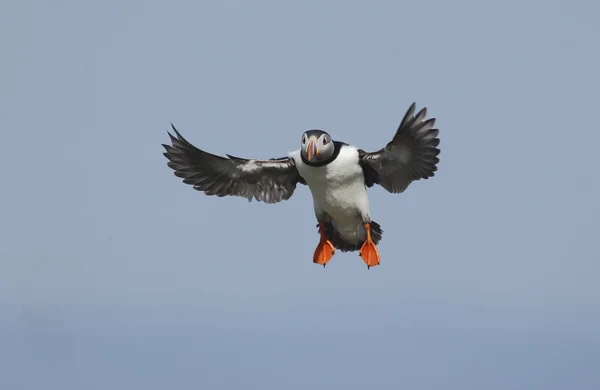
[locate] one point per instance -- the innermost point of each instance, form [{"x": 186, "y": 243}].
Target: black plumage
[
  {"x": 269, "y": 181},
  {"x": 338, "y": 241},
  {"x": 411, "y": 155}
]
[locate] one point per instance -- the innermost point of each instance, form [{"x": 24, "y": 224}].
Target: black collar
[{"x": 337, "y": 146}]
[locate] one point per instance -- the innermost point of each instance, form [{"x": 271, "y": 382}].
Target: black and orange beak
[{"x": 311, "y": 150}]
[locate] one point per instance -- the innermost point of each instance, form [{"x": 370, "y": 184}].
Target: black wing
[
  {"x": 269, "y": 181},
  {"x": 411, "y": 155}
]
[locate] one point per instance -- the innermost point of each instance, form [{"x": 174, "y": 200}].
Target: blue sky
[{"x": 116, "y": 275}]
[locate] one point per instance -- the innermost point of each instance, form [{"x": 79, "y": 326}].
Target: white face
[{"x": 317, "y": 146}]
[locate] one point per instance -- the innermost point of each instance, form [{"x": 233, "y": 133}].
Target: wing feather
[
  {"x": 411, "y": 155},
  {"x": 269, "y": 181}
]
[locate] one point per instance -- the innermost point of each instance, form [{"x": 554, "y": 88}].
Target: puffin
[{"x": 337, "y": 174}]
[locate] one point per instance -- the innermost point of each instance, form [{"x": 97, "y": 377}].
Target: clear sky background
[{"x": 115, "y": 275}]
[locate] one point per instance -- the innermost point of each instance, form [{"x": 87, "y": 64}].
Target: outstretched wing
[
  {"x": 269, "y": 181},
  {"x": 411, "y": 155}
]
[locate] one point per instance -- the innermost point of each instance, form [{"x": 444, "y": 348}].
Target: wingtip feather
[
  {"x": 177, "y": 133},
  {"x": 408, "y": 115}
]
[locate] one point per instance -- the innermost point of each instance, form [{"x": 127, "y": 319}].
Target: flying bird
[{"x": 336, "y": 173}]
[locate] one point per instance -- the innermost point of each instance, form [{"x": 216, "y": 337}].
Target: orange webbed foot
[
  {"x": 324, "y": 252},
  {"x": 369, "y": 254},
  {"x": 368, "y": 251}
]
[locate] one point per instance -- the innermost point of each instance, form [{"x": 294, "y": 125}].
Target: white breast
[{"x": 338, "y": 189}]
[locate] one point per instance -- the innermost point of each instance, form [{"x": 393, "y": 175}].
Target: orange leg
[
  {"x": 325, "y": 249},
  {"x": 368, "y": 251}
]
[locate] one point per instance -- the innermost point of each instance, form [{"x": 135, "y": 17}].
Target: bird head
[{"x": 317, "y": 145}]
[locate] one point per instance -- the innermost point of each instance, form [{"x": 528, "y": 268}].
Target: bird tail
[{"x": 338, "y": 241}]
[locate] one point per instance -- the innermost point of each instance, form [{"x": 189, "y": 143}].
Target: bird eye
[
  {"x": 325, "y": 141},
  {"x": 303, "y": 139}
]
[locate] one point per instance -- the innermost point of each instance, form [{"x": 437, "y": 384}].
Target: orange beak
[{"x": 311, "y": 150}]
